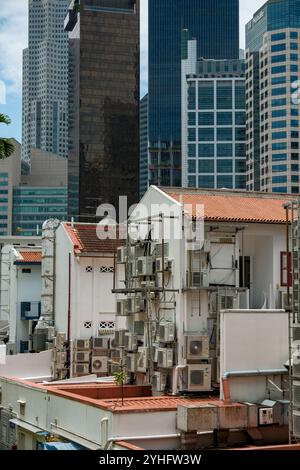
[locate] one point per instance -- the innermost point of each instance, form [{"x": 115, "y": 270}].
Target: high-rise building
[
  {"x": 272, "y": 84},
  {"x": 143, "y": 145},
  {"x": 215, "y": 25},
  {"x": 104, "y": 104},
  {"x": 213, "y": 121},
  {"x": 45, "y": 80}
]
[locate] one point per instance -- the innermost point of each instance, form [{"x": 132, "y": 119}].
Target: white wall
[{"x": 252, "y": 340}]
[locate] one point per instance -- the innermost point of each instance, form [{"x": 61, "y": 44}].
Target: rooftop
[
  {"x": 29, "y": 257},
  {"x": 92, "y": 239},
  {"x": 232, "y": 206}
]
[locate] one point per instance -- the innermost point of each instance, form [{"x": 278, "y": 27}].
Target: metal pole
[{"x": 288, "y": 308}]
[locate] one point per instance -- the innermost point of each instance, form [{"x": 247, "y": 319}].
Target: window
[
  {"x": 278, "y": 58},
  {"x": 206, "y": 95},
  {"x": 279, "y": 168},
  {"x": 278, "y": 37},
  {"x": 240, "y": 134},
  {"x": 224, "y": 134},
  {"x": 206, "y": 150},
  {"x": 294, "y": 68},
  {"x": 279, "y": 102},
  {"x": 240, "y": 118},
  {"x": 279, "y": 69},
  {"x": 192, "y": 134},
  {"x": 279, "y": 146},
  {"x": 279, "y": 179},
  {"x": 278, "y": 80},
  {"x": 240, "y": 96},
  {"x": 206, "y": 119},
  {"x": 278, "y": 91},
  {"x": 278, "y": 47},
  {"x": 192, "y": 97},
  {"x": 224, "y": 119},
  {"x": 224, "y": 95},
  {"x": 294, "y": 46},
  {"x": 191, "y": 119},
  {"x": 286, "y": 277},
  {"x": 294, "y": 35},
  {"x": 206, "y": 181},
  {"x": 224, "y": 150},
  {"x": 225, "y": 181},
  {"x": 240, "y": 150},
  {"x": 279, "y": 135},
  {"x": 278, "y": 124},
  {"x": 206, "y": 134},
  {"x": 240, "y": 181},
  {"x": 279, "y": 113},
  {"x": 192, "y": 166},
  {"x": 224, "y": 166},
  {"x": 192, "y": 181},
  {"x": 192, "y": 150},
  {"x": 294, "y": 123},
  {"x": 206, "y": 166},
  {"x": 294, "y": 57}
]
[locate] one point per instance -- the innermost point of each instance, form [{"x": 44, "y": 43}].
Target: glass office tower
[
  {"x": 215, "y": 25},
  {"x": 272, "y": 81},
  {"x": 103, "y": 105}
]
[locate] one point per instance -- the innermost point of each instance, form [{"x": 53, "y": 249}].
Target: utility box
[{"x": 197, "y": 418}]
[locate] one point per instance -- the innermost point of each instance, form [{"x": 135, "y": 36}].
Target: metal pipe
[
  {"x": 69, "y": 319},
  {"x": 254, "y": 373},
  {"x": 175, "y": 379}
]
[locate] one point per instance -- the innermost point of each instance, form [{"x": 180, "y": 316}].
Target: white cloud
[{"x": 13, "y": 39}]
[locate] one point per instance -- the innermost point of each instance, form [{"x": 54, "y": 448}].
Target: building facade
[
  {"x": 213, "y": 121},
  {"x": 45, "y": 79},
  {"x": 272, "y": 83},
  {"x": 215, "y": 25},
  {"x": 104, "y": 104},
  {"x": 143, "y": 145},
  {"x": 10, "y": 175}
]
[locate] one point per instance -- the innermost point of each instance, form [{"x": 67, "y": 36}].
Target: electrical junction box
[{"x": 265, "y": 416}]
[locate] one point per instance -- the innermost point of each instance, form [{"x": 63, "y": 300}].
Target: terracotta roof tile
[
  {"x": 233, "y": 206},
  {"x": 85, "y": 239},
  {"x": 30, "y": 257}
]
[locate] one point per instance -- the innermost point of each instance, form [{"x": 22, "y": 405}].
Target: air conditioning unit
[
  {"x": 81, "y": 356},
  {"x": 161, "y": 264},
  {"x": 265, "y": 416},
  {"x": 131, "y": 268},
  {"x": 296, "y": 422},
  {"x": 100, "y": 343},
  {"x": 296, "y": 334},
  {"x": 199, "y": 279},
  {"x": 197, "y": 348},
  {"x": 139, "y": 328},
  {"x": 131, "y": 363},
  {"x": 121, "y": 311},
  {"x": 160, "y": 248},
  {"x": 99, "y": 365},
  {"x": 148, "y": 284},
  {"x": 144, "y": 266},
  {"x": 228, "y": 302},
  {"x": 122, "y": 255},
  {"x": 165, "y": 358},
  {"x": 296, "y": 391},
  {"x": 296, "y": 364},
  {"x": 82, "y": 344},
  {"x": 60, "y": 341},
  {"x": 132, "y": 305},
  {"x": 119, "y": 339},
  {"x": 81, "y": 369},
  {"x": 61, "y": 359},
  {"x": 130, "y": 342},
  {"x": 199, "y": 378},
  {"x": 115, "y": 355},
  {"x": 159, "y": 381},
  {"x": 166, "y": 332},
  {"x": 142, "y": 360}
]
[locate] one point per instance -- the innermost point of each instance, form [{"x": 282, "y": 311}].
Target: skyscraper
[
  {"x": 213, "y": 121},
  {"x": 45, "y": 80},
  {"x": 143, "y": 145},
  {"x": 272, "y": 84},
  {"x": 215, "y": 25},
  {"x": 104, "y": 104}
]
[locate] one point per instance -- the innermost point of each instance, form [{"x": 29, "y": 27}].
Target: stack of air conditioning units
[
  {"x": 296, "y": 391},
  {"x": 198, "y": 369},
  {"x": 59, "y": 366},
  {"x": 81, "y": 357},
  {"x": 99, "y": 360}
]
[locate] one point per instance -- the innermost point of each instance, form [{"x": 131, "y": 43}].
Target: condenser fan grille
[
  {"x": 196, "y": 348},
  {"x": 97, "y": 364},
  {"x": 197, "y": 377}
]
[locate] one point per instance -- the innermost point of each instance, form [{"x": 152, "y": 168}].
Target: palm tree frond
[
  {"x": 6, "y": 148},
  {"x": 4, "y": 119}
]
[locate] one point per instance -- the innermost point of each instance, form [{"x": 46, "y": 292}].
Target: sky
[{"x": 14, "y": 38}]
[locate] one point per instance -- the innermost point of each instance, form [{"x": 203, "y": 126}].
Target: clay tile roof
[
  {"x": 30, "y": 257},
  {"x": 233, "y": 206},
  {"x": 85, "y": 240}
]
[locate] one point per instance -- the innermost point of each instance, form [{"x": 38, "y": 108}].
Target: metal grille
[
  {"x": 8, "y": 435},
  {"x": 107, "y": 269}
]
